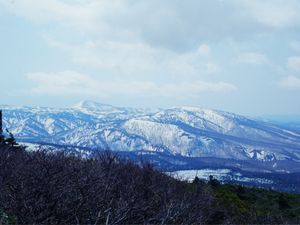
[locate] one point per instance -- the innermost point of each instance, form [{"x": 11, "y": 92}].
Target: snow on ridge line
[
  {"x": 219, "y": 174},
  {"x": 137, "y": 130}
]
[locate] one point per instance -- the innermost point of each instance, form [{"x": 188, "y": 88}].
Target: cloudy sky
[{"x": 236, "y": 55}]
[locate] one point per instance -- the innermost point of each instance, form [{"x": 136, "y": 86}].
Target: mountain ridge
[{"x": 186, "y": 131}]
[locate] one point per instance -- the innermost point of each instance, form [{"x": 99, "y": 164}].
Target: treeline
[
  {"x": 43, "y": 188},
  {"x": 259, "y": 206}
]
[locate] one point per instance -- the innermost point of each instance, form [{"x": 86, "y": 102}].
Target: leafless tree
[{"x": 43, "y": 188}]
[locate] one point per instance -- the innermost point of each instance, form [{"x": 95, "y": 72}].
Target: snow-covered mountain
[{"x": 185, "y": 131}]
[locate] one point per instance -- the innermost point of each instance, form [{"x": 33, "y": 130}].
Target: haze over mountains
[{"x": 184, "y": 131}]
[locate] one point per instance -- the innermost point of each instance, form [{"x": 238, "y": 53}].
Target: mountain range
[{"x": 186, "y": 132}]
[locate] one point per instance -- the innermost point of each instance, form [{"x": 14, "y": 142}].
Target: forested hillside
[{"x": 43, "y": 188}]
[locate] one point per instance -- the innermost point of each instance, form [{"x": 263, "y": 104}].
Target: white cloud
[
  {"x": 295, "y": 45},
  {"x": 170, "y": 24},
  {"x": 204, "y": 50},
  {"x": 73, "y": 83},
  {"x": 273, "y": 13},
  {"x": 67, "y": 82},
  {"x": 77, "y": 15},
  {"x": 139, "y": 58},
  {"x": 158, "y": 38},
  {"x": 252, "y": 58},
  {"x": 290, "y": 82},
  {"x": 294, "y": 63}
]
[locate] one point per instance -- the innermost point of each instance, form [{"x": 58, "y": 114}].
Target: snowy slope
[{"x": 186, "y": 131}]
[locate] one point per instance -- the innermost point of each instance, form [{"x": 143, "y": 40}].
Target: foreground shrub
[{"x": 43, "y": 188}]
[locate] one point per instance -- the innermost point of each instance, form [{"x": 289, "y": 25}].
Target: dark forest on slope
[{"x": 43, "y": 188}]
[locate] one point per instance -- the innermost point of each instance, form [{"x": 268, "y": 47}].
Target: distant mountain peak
[{"x": 92, "y": 106}]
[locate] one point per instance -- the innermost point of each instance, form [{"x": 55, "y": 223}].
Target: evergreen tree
[
  {"x": 2, "y": 139},
  {"x": 213, "y": 182},
  {"x": 283, "y": 202},
  {"x": 196, "y": 180},
  {"x": 11, "y": 139}
]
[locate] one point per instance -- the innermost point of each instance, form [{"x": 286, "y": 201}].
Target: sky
[{"x": 241, "y": 56}]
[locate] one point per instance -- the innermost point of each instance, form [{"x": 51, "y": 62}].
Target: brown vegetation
[{"x": 42, "y": 188}]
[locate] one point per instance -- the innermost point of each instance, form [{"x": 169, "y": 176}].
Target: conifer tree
[
  {"x": 11, "y": 139},
  {"x": 2, "y": 138}
]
